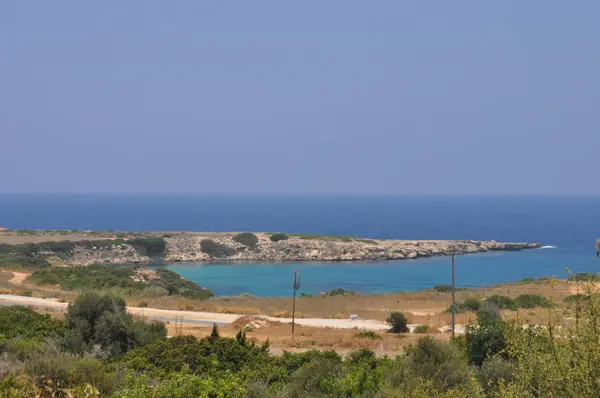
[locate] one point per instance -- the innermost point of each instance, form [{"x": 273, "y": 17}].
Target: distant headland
[{"x": 81, "y": 248}]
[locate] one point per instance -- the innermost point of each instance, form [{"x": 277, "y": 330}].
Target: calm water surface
[{"x": 571, "y": 225}]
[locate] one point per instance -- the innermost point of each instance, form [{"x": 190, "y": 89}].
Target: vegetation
[
  {"x": 278, "y": 237},
  {"x": 247, "y": 239},
  {"x": 151, "y": 246},
  {"x": 99, "y": 350},
  {"x": 124, "y": 279},
  {"x": 22, "y": 322},
  {"x": 368, "y": 334},
  {"x": 577, "y": 298},
  {"x": 471, "y": 304},
  {"x": 447, "y": 288},
  {"x": 532, "y": 301},
  {"x": 95, "y": 321},
  {"x": 584, "y": 277},
  {"x": 398, "y": 322},
  {"x": 503, "y": 302},
  {"x": 34, "y": 255},
  {"x": 340, "y": 292},
  {"x": 216, "y": 250},
  {"x": 421, "y": 329},
  {"x": 325, "y": 237}
]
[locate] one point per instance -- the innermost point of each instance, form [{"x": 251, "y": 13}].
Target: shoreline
[{"x": 77, "y": 248}]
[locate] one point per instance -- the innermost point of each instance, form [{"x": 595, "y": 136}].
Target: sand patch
[{"x": 18, "y": 278}]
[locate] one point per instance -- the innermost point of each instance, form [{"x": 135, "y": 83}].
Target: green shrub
[
  {"x": 398, "y": 322},
  {"x": 369, "y": 335},
  {"x": 247, "y": 239},
  {"x": 531, "y": 301},
  {"x": 472, "y": 304},
  {"x": 340, "y": 292},
  {"x": 305, "y": 295},
  {"x": 485, "y": 340},
  {"x": 494, "y": 372},
  {"x": 278, "y": 237},
  {"x": 577, "y": 297},
  {"x": 447, "y": 288},
  {"x": 18, "y": 321},
  {"x": 151, "y": 246},
  {"x": 216, "y": 250},
  {"x": 102, "y": 277},
  {"x": 439, "y": 362},
  {"x": 503, "y": 302},
  {"x": 421, "y": 329},
  {"x": 96, "y": 320}
]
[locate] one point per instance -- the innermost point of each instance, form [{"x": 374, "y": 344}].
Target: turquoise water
[
  {"x": 572, "y": 224},
  {"x": 472, "y": 270}
]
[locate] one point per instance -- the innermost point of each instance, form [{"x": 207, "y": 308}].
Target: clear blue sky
[{"x": 400, "y": 97}]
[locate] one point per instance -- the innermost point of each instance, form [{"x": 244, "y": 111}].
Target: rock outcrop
[{"x": 187, "y": 247}]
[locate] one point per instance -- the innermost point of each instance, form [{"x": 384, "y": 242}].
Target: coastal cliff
[{"x": 81, "y": 249}]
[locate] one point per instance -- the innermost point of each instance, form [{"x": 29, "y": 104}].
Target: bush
[
  {"x": 94, "y": 320},
  {"x": 503, "y": 302},
  {"x": 494, "y": 372},
  {"x": 247, "y": 239},
  {"x": 18, "y": 321},
  {"x": 369, "y": 335},
  {"x": 577, "y": 297},
  {"x": 485, "y": 340},
  {"x": 447, "y": 288},
  {"x": 340, "y": 292},
  {"x": 278, "y": 237},
  {"x": 421, "y": 329},
  {"x": 151, "y": 246},
  {"x": 216, "y": 250},
  {"x": 472, "y": 304},
  {"x": 398, "y": 322},
  {"x": 439, "y": 362},
  {"x": 531, "y": 301}
]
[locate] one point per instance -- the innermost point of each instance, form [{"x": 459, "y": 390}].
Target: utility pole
[
  {"x": 453, "y": 300},
  {"x": 296, "y": 287}
]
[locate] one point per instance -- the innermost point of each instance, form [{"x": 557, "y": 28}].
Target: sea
[{"x": 567, "y": 227}]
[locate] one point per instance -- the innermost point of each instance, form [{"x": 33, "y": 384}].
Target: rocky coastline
[{"x": 113, "y": 249}]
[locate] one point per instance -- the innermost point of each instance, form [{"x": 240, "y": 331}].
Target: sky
[{"x": 310, "y": 97}]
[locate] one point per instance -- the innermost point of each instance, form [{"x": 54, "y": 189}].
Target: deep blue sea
[{"x": 570, "y": 225}]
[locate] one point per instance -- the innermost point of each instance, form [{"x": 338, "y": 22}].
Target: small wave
[{"x": 548, "y": 247}]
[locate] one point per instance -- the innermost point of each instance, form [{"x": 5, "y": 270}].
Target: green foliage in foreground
[
  {"x": 494, "y": 358},
  {"x": 247, "y": 239},
  {"x": 102, "y": 277},
  {"x": 17, "y": 321}
]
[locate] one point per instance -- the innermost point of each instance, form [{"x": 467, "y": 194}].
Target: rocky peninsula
[{"x": 81, "y": 248}]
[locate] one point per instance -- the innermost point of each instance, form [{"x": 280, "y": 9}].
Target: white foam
[{"x": 548, "y": 247}]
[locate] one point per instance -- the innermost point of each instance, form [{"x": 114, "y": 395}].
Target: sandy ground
[{"x": 18, "y": 278}]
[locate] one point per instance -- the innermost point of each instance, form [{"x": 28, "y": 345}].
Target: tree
[
  {"x": 94, "y": 320},
  {"x": 398, "y": 322}
]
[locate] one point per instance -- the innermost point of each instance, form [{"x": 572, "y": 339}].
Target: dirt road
[{"x": 198, "y": 317}]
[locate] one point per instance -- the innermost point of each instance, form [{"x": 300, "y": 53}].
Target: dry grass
[
  {"x": 425, "y": 307},
  {"x": 306, "y": 338}
]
